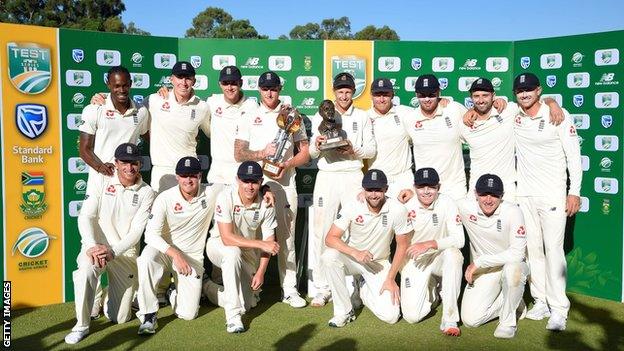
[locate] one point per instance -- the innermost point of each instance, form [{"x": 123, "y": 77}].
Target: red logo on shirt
[
  {"x": 110, "y": 190},
  {"x": 237, "y": 209},
  {"x": 518, "y": 120},
  {"x": 110, "y": 113},
  {"x": 572, "y": 131},
  {"x": 177, "y": 208},
  {"x": 411, "y": 214},
  {"x": 258, "y": 121},
  {"x": 218, "y": 112},
  {"x": 458, "y": 219},
  {"x": 165, "y": 106},
  {"x": 473, "y": 218},
  {"x": 418, "y": 125},
  {"x": 521, "y": 231},
  {"x": 359, "y": 219},
  {"x": 218, "y": 209}
]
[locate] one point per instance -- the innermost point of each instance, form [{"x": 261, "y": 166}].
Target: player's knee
[
  {"x": 414, "y": 316},
  {"x": 330, "y": 257},
  {"x": 187, "y": 316},
  {"x": 453, "y": 256},
  {"x": 390, "y": 316}
]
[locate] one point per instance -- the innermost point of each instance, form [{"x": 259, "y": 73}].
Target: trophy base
[
  {"x": 271, "y": 168},
  {"x": 333, "y": 144}
]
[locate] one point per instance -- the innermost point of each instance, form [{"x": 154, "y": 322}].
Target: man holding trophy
[
  {"x": 343, "y": 137},
  {"x": 271, "y": 134}
]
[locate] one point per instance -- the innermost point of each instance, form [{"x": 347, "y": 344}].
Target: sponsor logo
[
  {"x": 465, "y": 83},
  {"x": 584, "y": 163},
  {"x": 252, "y": 63},
  {"x": 220, "y": 61},
  {"x": 578, "y": 100},
  {"x": 606, "y": 143},
  {"x": 307, "y": 63},
  {"x": 29, "y": 67},
  {"x": 165, "y": 81},
  {"x": 201, "y": 82},
  {"x": 280, "y": 63},
  {"x": 606, "y": 206},
  {"x": 606, "y": 121},
  {"x": 578, "y": 80},
  {"x": 138, "y": 99},
  {"x": 443, "y": 64},
  {"x": 396, "y": 100},
  {"x": 105, "y": 78},
  {"x": 468, "y": 102},
  {"x": 521, "y": 231},
  {"x": 551, "y": 61},
  {"x": 471, "y": 64},
  {"x": 416, "y": 63},
  {"x": 250, "y": 82},
  {"x": 605, "y": 164},
  {"x": 196, "y": 61},
  {"x": 33, "y": 195},
  {"x": 164, "y": 60},
  {"x": 76, "y": 165},
  {"x": 140, "y": 80},
  {"x": 551, "y": 80},
  {"x": 74, "y": 208},
  {"x": 108, "y": 58},
  {"x": 606, "y": 185},
  {"x": 359, "y": 219},
  {"x": 497, "y": 83},
  {"x": 556, "y": 97},
  {"x": 606, "y": 57},
  {"x": 525, "y": 62},
  {"x": 607, "y": 79},
  {"x": 177, "y": 208},
  {"x": 286, "y": 99},
  {"x": 74, "y": 121},
  {"x": 607, "y": 100},
  {"x": 74, "y": 78},
  {"x": 32, "y": 242},
  {"x": 414, "y": 102},
  {"x": 580, "y": 141},
  {"x": 577, "y": 59},
  {"x": 307, "y": 103},
  {"x": 584, "y": 204},
  {"x": 31, "y": 119},
  {"x": 307, "y": 83},
  {"x": 443, "y": 83},
  {"x": 77, "y": 55},
  {"x": 136, "y": 59},
  {"x": 78, "y": 99},
  {"x": 354, "y": 65},
  {"x": 472, "y": 218},
  {"x": 497, "y": 64},
  {"x": 389, "y": 64},
  {"x": 581, "y": 121},
  {"x": 409, "y": 83},
  {"x": 165, "y": 106},
  {"x": 80, "y": 187}
]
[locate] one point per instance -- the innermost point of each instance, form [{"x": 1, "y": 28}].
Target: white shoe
[
  {"x": 294, "y": 300},
  {"x": 75, "y": 336},
  {"x": 149, "y": 325},
  {"x": 503, "y": 332},
  {"x": 341, "y": 321},
  {"x": 557, "y": 322},
  {"x": 320, "y": 300},
  {"x": 539, "y": 311},
  {"x": 235, "y": 325}
]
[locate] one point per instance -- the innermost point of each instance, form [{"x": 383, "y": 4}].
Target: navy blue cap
[
  {"x": 127, "y": 152},
  {"x": 188, "y": 165},
  {"x": 374, "y": 179},
  {"x": 230, "y": 74},
  {"x": 381, "y": 85},
  {"x": 344, "y": 80},
  {"x": 249, "y": 170},
  {"x": 269, "y": 79},
  {"x": 482, "y": 84},
  {"x": 426, "y": 84},
  {"x": 526, "y": 81},
  {"x": 183, "y": 69},
  {"x": 489, "y": 184},
  {"x": 426, "y": 176}
]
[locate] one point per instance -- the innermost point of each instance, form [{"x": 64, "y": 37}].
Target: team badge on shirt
[
  {"x": 472, "y": 218},
  {"x": 203, "y": 204},
  {"x": 499, "y": 225},
  {"x": 237, "y": 209},
  {"x": 384, "y": 220},
  {"x": 541, "y": 126},
  {"x": 397, "y": 120},
  {"x": 447, "y": 120},
  {"x": 256, "y": 216},
  {"x": 355, "y": 127},
  {"x": 257, "y": 121},
  {"x": 521, "y": 232},
  {"x": 193, "y": 113},
  {"x": 177, "y": 208},
  {"x": 359, "y": 219},
  {"x": 110, "y": 190},
  {"x": 218, "y": 111},
  {"x": 165, "y": 106},
  {"x": 418, "y": 125},
  {"x": 135, "y": 199},
  {"x": 518, "y": 120}
]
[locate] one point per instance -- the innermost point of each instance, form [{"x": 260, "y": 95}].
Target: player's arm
[
  {"x": 229, "y": 238},
  {"x": 302, "y": 157},
  {"x": 455, "y": 232},
  {"x": 569, "y": 140},
  {"x": 258, "y": 278},
  {"x": 556, "y": 112},
  {"x": 316, "y": 138},
  {"x": 86, "y": 153},
  {"x": 334, "y": 240},
  {"x": 368, "y": 147},
  {"x": 400, "y": 252},
  {"x": 137, "y": 226},
  {"x": 205, "y": 123}
]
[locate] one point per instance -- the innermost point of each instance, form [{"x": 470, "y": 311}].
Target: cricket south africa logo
[
  {"x": 32, "y": 242},
  {"x": 29, "y": 67}
]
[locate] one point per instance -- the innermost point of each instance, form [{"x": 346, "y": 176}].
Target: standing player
[
  {"x": 434, "y": 254},
  {"x": 111, "y": 222},
  {"x": 241, "y": 244},
  {"x": 254, "y": 142},
  {"x": 176, "y": 238},
  {"x": 545, "y": 153},
  {"x": 366, "y": 252},
  {"x": 498, "y": 271},
  {"x": 340, "y": 171}
]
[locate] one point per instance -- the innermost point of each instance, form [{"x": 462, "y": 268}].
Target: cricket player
[
  {"x": 434, "y": 255},
  {"x": 340, "y": 170},
  {"x": 176, "y": 237},
  {"x": 498, "y": 271},
  {"x": 491, "y": 136},
  {"x": 254, "y": 142},
  {"x": 111, "y": 222},
  {"x": 241, "y": 244},
  {"x": 545, "y": 153},
  {"x": 366, "y": 253}
]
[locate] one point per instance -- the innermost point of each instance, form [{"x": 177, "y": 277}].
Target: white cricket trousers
[
  {"x": 545, "y": 221},
  {"x": 420, "y": 288},
  {"x": 122, "y": 284},
  {"x": 331, "y": 189},
  {"x": 152, "y": 264},
  {"x": 237, "y": 271},
  {"x": 339, "y": 265},
  {"x": 495, "y": 292},
  {"x": 286, "y": 203}
]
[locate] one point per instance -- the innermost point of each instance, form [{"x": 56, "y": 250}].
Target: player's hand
[
  {"x": 393, "y": 288},
  {"x": 271, "y": 247},
  {"x": 573, "y": 204},
  {"x": 320, "y": 140},
  {"x": 163, "y": 92},
  {"x": 556, "y": 112},
  {"x": 469, "y": 273},
  {"x": 257, "y": 281},
  {"x": 267, "y": 196},
  {"x": 346, "y": 150},
  {"x": 363, "y": 256},
  {"x": 98, "y": 99},
  {"x": 500, "y": 105},
  {"x": 107, "y": 169},
  {"x": 405, "y": 195},
  {"x": 443, "y": 102},
  {"x": 283, "y": 167},
  {"x": 181, "y": 265},
  {"x": 269, "y": 150},
  {"x": 470, "y": 117},
  {"x": 413, "y": 251}
]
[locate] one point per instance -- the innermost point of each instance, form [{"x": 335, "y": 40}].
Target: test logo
[
  {"x": 584, "y": 163},
  {"x": 74, "y": 121},
  {"x": 607, "y": 57},
  {"x": 250, "y": 82},
  {"x": 606, "y": 143},
  {"x": 606, "y": 185},
  {"x": 465, "y": 83},
  {"x": 164, "y": 60},
  {"x": 443, "y": 64},
  {"x": 140, "y": 80},
  {"x": 389, "y": 64},
  {"x": 201, "y": 82},
  {"x": 578, "y": 80},
  {"x": 497, "y": 64},
  {"x": 607, "y": 100},
  {"x": 410, "y": 82},
  {"x": 220, "y": 61},
  {"x": 308, "y": 83},
  {"x": 280, "y": 63},
  {"x": 75, "y": 78},
  {"x": 581, "y": 121},
  {"x": 556, "y": 97},
  {"x": 584, "y": 204},
  {"x": 76, "y": 165},
  {"x": 74, "y": 208},
  {"x": 108, "y": 58},
  {"x": 551, "y": 61}
]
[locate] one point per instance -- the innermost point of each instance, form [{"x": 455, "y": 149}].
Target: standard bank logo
[
  {"x": 76, "y": 78},
  {"x": 77, "y": 55},
  {"x": 108, "y": 57},
  {"x": 31, "y": 119},
  {"x": 280, "y": 63},
  {"x": 220, "y": 61},
  {"x": 525, "y": 62},
  {"x": 607, "y": 100},
  {"x": 389, "y": 64},
  {"x": 164, "y": 60},
  {"x": 29, "y": 67},
  {"x": 578, "y": 80},
  {"x": 607, "y": 57},
  {"x": 443, "y": 64},
  {"x": 32, "y": 242},
  {"x": 578, "y": 100},
  {"x": 551, "y": 61},
  {"x": 551, "y": 80},
  {"x": 196, "y": 61}
]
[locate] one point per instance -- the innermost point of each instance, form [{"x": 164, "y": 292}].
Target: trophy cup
[
  {"x": 289, "y": 121},
  {"x": 330, "y": 128}
]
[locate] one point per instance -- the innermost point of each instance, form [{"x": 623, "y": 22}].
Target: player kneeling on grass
[
  {"x": 371, "y": 225},
  {"x": 241, "y": 244},
  {"x": 176, "y": 237},
  {"x": 111, "y": 222},
  {"x": 498, "y": 272},
  {"x": 434, "y": 254}
]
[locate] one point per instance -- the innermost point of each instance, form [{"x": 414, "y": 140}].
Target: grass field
[{"x": 594, "y": 324}]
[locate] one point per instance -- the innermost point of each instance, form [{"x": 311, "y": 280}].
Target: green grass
[{"x": 593, "y": 324}]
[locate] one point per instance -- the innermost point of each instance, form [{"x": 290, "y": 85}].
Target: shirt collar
[
  {"x": 421, "y": 117},
  {"x": 236, "y": 200},
  {"x": 193, "y": 100},
  {"x": 265, "y": 109},
  {"x": 543, "y": 111},
  {"x": 108, "y": 104},
  {"x": 114, "y": 180}
]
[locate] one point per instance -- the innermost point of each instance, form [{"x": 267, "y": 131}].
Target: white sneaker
[
  {"x": 294, "y": 300},
  {"x": 503, "y": 332},
  {"x": 320, "y": 300},
  {"x": 235, "y": 325},
  {"x": 539, "y": 311},
  {"x": 75, "y": 336},
  {"x": 557, "y": 322},
  {"x": 341, "y": 321},
  {"x": 149, "y": 325}
]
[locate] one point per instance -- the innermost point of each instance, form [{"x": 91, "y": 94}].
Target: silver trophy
[
  {"x": 330, "y": 128},
  {"x": 289, "y": 122}
]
